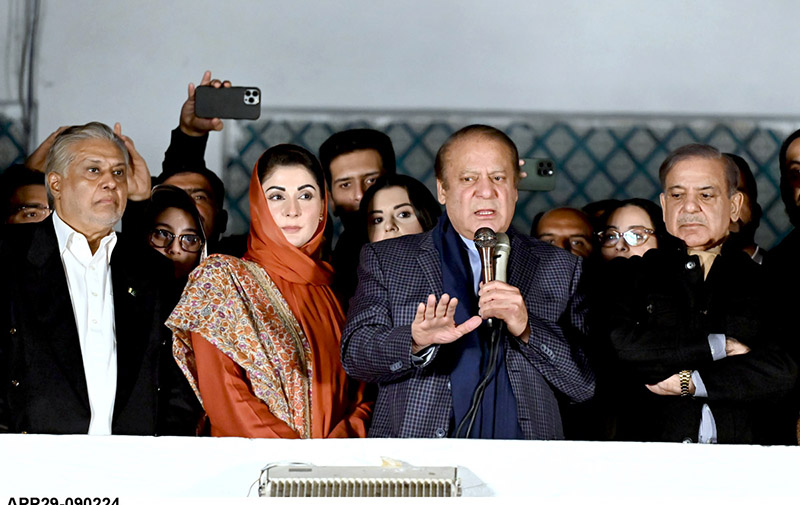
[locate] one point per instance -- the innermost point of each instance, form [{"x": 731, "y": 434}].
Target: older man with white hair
[{"x": 82, "y": 308}]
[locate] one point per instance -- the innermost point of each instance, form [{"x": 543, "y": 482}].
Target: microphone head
[
  {"x": 503, "y": 242},
  {"x": 485, "y": 237},
  {"x": 501, "y": 254}
]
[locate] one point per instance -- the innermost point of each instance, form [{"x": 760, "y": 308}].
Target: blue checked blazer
[{"x": 415, "y": 401}]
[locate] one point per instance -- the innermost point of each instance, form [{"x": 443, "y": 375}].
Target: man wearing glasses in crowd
[{"x": 23, "y": 195}]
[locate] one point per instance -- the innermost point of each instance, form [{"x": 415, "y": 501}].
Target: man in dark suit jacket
[
  {"x": 80, "y": 354},
  {"x": 428, "y": 357},
  {"x": 699, "y": 350}
]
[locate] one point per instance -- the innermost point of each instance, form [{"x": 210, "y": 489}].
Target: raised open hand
[
  {"x": 37, "y": 159},
  {"x": 138, "y": 173},
  {"x": 195, "y": 126},
  {"x": 434, "y": 323}
]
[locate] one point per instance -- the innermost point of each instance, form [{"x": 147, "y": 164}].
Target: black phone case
[
  {"x": 237, "y": 102},
  {"x": 541, "y": 175}
]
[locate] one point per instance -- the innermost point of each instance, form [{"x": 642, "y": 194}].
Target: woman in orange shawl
[{"x": 258, "y": 337}]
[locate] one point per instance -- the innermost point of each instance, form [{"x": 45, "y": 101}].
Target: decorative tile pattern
[
  {"x": 12, "y": 142},
  {"x": 596, "y": 157}
]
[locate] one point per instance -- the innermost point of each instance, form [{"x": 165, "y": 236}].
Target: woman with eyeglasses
[
  {"x": 631, "y": 229},
  {"x": 175, "y": 228},
  {"x": 627, "y": 228},
  {"x": 258, "y": 337}
]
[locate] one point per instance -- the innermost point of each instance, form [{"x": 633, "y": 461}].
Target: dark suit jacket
[
  {"x": 657, "y": 311},
  {"x": 783, "y": 268},
  {"x": 396, "y": 275},
  {"x": 43, "y": 386}
]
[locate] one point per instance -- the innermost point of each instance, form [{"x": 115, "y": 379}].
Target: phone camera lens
[
  {"x": 247, "y": 93},
  {"x": 255, "y": 92}
]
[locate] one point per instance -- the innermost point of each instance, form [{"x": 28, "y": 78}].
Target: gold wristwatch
[{"x": 685, "y": 376}]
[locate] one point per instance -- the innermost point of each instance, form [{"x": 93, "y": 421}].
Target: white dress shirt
[{"x": 89, "y": 281}]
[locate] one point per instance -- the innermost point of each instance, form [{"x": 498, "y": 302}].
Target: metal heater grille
[{"x": 317, "y": 481}]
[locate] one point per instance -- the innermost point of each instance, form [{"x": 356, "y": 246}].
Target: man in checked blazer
[{"x": 415, "y": 325}]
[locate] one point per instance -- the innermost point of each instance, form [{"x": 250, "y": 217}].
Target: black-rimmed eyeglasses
[
  {"x": 189, "y": 242},
  {"x": 633, "y": 237}
]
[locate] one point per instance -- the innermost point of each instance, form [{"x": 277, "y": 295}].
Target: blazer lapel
[
  {"x": 48, "y": 292},
  {"x": 430, "y": 265},
  {"x": 521, "y": 266},
  {"x": 131, "y": 318}
]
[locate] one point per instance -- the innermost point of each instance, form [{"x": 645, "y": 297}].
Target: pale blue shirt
[
  {"x": 707, "y": 434},
  {"x": 474, "y": 262}
]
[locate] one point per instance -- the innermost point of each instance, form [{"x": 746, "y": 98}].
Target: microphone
[
  {"x": 501, "y": 252},
  {"x": 494, "y": 249},
  {"x": 485, "y": 241}
]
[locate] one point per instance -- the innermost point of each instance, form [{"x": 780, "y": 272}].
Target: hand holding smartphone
[
  {"x": 235, "y": 102},
  {"x": 541, "y": 175}
]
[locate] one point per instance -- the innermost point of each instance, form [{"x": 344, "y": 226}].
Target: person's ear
[
  {"x": 737, "y": 199},
  {"x": 441, "y": 192},
  {"x": 54, "y": 184}
]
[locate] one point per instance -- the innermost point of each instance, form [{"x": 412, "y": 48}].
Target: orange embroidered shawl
[
  {"x": 235, "y": 306},
  {"x": 293, "y": 365}
]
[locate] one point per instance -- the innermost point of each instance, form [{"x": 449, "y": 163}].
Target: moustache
[{"x": 691, "y": 219}]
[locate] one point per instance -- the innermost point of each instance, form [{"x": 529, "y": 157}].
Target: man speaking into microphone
[{"x": 416, "y": 322}]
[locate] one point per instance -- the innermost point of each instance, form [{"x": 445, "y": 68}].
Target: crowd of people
[{"x": 623, "y": 320}]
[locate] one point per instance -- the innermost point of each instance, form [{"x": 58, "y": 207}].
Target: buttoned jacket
[
  {"x": 657, "y": 312},
  {"x": 43, "y": 386}
]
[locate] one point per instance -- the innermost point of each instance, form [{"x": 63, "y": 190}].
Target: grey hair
[
  {"x": 61, "y": 154},
  {"x": 704, "y": 151}
]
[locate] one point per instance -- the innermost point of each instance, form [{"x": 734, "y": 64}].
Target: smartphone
[
  {"x": 541, "y": 175},
  {"x": 236, "y": 102}
]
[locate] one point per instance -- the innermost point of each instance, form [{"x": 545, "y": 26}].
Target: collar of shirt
[
  {"x": 73, "y": 241},
  {"x": 758, "y": 255},
  {"x": 706, "y": 257},
  {"x": 474, "y": 262}
]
